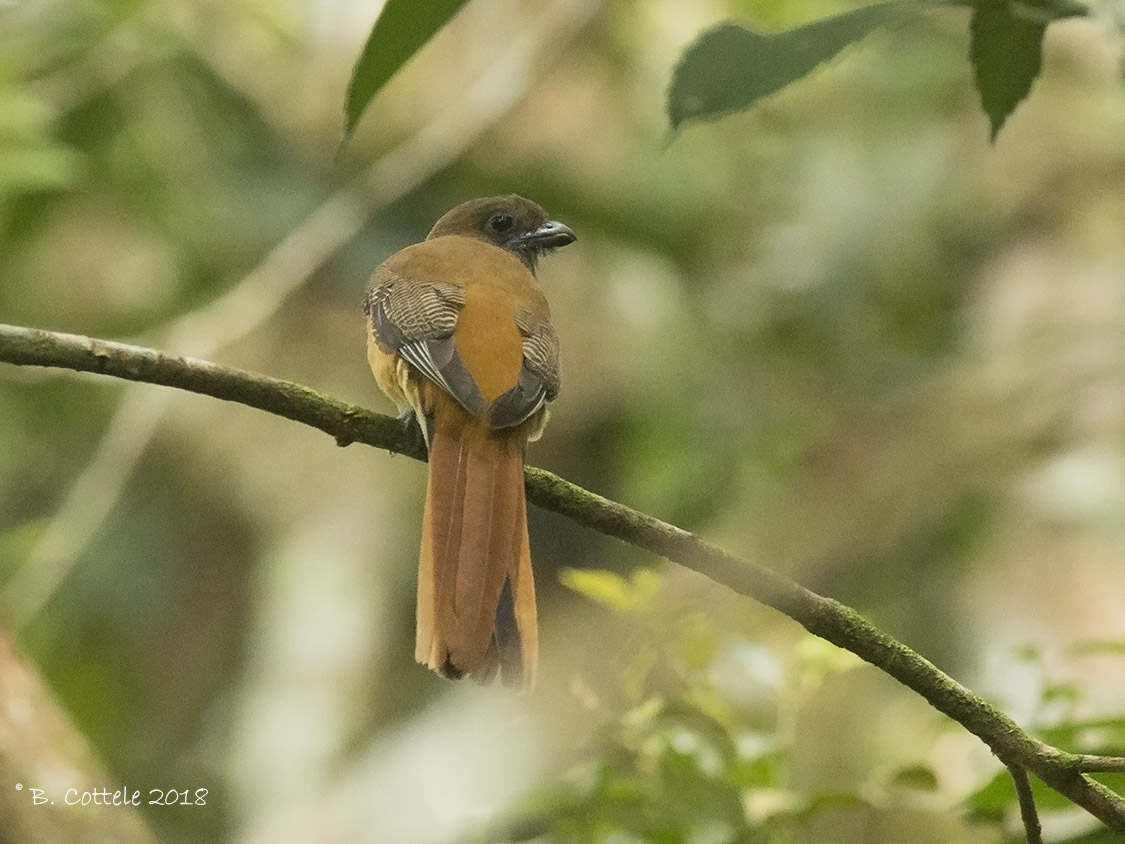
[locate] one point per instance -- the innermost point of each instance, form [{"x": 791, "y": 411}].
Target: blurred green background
[{"x": 841, "y": 334}]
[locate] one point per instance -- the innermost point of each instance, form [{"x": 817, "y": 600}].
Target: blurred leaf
[
  {"x": 29, "y": 158},
  {"x": 775, "y": 807},
  {"x": 642, "y": 716},
  {"x": 1060, "y": 693},
  {"x": 532, "y": 815},
  {"x": 834, "y": 800},
  {"x": 671, "y": 466},
  {"x": 707, "y": 730},
  {"x": 611, "y": 589},
  {"x": 914, "y": 778},
  {"x": 1006, "y": 52},
  {"x": 693, "y": 796},
  {"x": 961, "y": 532},
  {"x": 1105, "y": 736},
  {"x": 732, "y": 66},
  {"x": 400, "y": 31},
  {"x": 1098, "y": 647},
  {"x": 992, "y": 801},
  {"x": 759, "y": 772},
  {"x": 998, "y": 798},
  {"x": 698, "y": 642},
  {"x": 819, "y": 659},
  {"x": 999, "y": 794},
  {"x": 16, "y": 544},
  {"x": 1028, "y": 652},
  {"x": 36, "y": 168}
]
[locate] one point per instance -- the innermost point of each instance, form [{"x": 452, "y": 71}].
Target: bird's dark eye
[{"x": 501, "y": 223}]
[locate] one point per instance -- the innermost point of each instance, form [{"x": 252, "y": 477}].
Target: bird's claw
[{"x": 412, "y": 427}]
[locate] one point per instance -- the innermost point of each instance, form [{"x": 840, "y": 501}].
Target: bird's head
[{"x": 512, "y": 223}]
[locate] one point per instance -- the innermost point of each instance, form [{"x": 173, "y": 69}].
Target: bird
[{"x": 459, "y": 337}]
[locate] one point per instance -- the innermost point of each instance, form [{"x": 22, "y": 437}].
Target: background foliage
[{"x": 840, "y": 333}]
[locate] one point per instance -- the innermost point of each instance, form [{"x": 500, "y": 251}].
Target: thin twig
[
  {"x": 821, "y": 616},
  {"x": 1028, "y": 813}
]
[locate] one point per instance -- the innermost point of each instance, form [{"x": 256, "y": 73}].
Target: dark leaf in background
[
  {"x": 731, "y": 66},
  {"x": 915, "y": 778},
  {"x": 401, "y": 30},
  {"x": 1100, "y": 736},
  {"x": 1006, "y": 53},
  {"x": 997, "y": 798}
]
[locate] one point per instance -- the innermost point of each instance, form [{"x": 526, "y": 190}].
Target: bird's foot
[{"x": 412, "y": 427}]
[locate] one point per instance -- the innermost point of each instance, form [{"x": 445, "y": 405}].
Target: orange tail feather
[{"x": 476, "y": 595}]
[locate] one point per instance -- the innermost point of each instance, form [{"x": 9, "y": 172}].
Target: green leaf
[
  {"x": 764, "y": 771},
  {"x": 633, "y": 595},
  {"x": 1006, "y": 51},
  {"x": 37, "y": 168},
  {"x": 400, "y": 31},
  {"x": 996, "y": 798},
  {"x": 914, "y": 778},
  {"x": 731, "y": 66},
  {"x": 1029, "y": 652},
  {"x": 993, "y": 799},
  {"x": 1060, "y": 693},
  {"x": 1098, "y": 647},
  {"x": 1104, "y": 736},
  {"x": 30, "y": 158}
]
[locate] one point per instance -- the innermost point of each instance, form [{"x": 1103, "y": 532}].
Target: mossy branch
[{"x": 1067, "y": 773}]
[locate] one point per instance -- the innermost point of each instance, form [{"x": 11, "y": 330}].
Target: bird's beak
[{"x": 551, "y": 235}]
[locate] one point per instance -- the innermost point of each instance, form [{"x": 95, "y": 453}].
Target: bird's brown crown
[{"x": 512, "y": 223}]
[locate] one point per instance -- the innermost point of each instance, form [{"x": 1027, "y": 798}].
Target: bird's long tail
[{"x": 476, "y": 595}]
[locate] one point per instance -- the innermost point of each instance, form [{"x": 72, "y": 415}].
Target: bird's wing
[
  {"x": 415, "y": 320},
  {"x": 538, "y": 381}
]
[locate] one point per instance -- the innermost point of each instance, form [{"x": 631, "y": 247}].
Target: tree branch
[
  {"x": 824, "y": 617},
  {"x": 1095, "y": 764},
  {"x": 1028, "y": 813}
]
